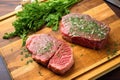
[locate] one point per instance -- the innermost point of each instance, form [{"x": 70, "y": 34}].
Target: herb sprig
[{"x": 35, "y": 15}]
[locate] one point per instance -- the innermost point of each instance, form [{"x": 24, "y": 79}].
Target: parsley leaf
[{"x": 35, "y": 15}]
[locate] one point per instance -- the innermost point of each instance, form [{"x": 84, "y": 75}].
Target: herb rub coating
[
  {"x": 83, "y": 30},
  {"x": 42, "y": 47}
]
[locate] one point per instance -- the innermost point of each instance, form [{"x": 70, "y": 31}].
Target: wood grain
[
  {"x": 86, "y": 59},
  {"x": 7, "y": 6}
]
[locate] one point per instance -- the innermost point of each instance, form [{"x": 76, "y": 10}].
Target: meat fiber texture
[
  {"x": 62, "y": 61},
  {"x": 50, "y": 52},
  {"x": 84, "y": 30}
]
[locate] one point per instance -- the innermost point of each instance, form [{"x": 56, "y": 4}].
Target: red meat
[
  {"x": 62, "y": 61},
  {"x": 49, "y": 51},
  {"x": 42, "y": 47},
  {"x": 83, "y": 30}
]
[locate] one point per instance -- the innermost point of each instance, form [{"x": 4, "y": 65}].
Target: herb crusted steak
[
  {"x": 49, "y": 51},
  {"x": 42, "y": 47},
  {"x": 83, "y": 30}
]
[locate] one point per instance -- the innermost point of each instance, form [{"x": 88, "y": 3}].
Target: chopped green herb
[
  {"x": 21, "y": 59},
  {"x": 47, "y": 48},
  {"x": 40, "y": 73},
  {"x": 108, "y": 51},
  {"x": 29, "y": 61},
  {"x": 112, "y": 50},
  {"x": 21, "y": 53},
  {"x": 87, "y": 27},
  {"x": 25, "y": 50},
  {"x": 27, "y": 55}
]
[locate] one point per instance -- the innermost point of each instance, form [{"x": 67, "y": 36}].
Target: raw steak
[
  {"x": 51, "y": 52},
  {"x": 42, "y": 47},
  {"x": 83, "y": 30},
  {"x": 62, "y": 61}
]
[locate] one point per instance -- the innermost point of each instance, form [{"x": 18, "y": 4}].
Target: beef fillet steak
[
  {"x": 42, "y": 47},
  {"x": 62, "y": 61},
  {"x": 83, "y": 30},
  {"x": 51, "y": 52}
]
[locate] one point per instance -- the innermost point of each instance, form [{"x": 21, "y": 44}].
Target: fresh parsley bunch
[{"x": 35, "y": 15}]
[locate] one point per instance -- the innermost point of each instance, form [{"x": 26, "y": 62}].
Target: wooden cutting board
[{"x": 87, "y": 61}]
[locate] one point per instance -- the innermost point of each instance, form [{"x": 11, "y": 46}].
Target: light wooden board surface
[{"x": 86, "y": 59}]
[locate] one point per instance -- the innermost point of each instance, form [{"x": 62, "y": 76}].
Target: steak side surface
[
  {"x": 84, "y": 30},
  {"x": 62, "y": 61}
]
